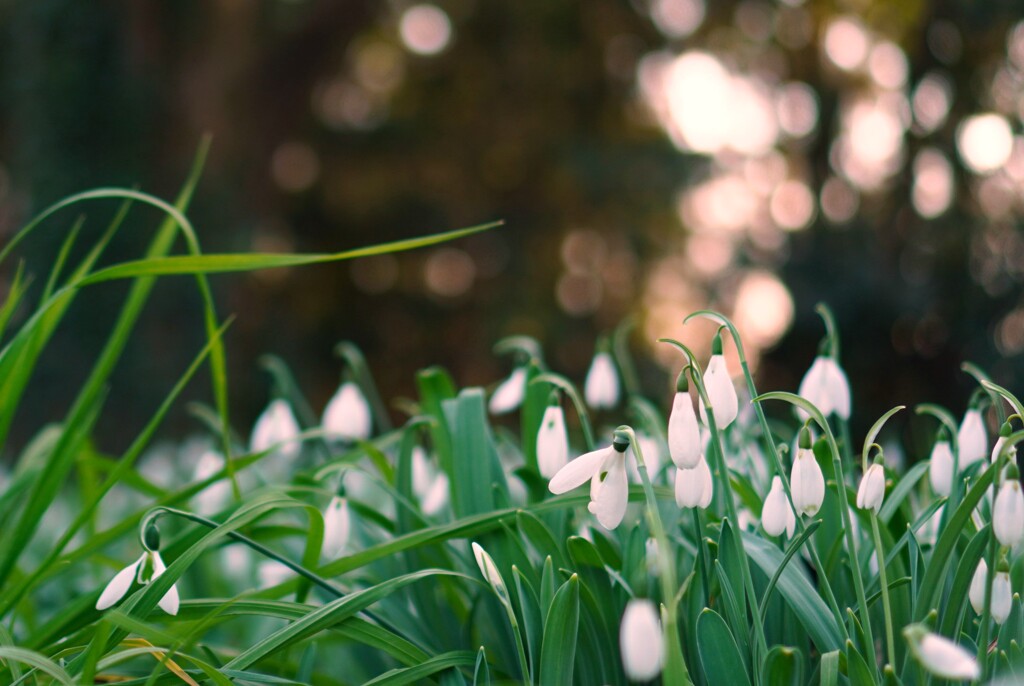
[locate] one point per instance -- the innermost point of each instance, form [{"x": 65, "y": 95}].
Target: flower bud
[
  {"x": 721, "y": 392},
  {"x": 641, "y": 641},
  {"x": 940, "y": 469},
  {"x": 826, "y": 387},
  {"x": 776, "y": 513},
  {"x": 872, "y": 488},
  {"x": 694, "y": 487},
  {"x": 972, "y": 438},
  {"x": 684, "y": 442},
  {"x": 1008, "y": 510},
  {"x": 807, "y": 482},
  {"x": 510, "y": 393},
  {"x": 940, "y": 656},
  {"x": 601, "y": 388},
  {"x": 347, "y": 416},
  {"x": 976, "y": 593}
]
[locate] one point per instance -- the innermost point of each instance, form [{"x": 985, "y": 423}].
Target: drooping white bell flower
[
  {"x": 806, "y": 480},
  {"x": 337, "y": 528},
  {"x": 976, "y": 592},
  {"x": 940, "y": 469},
  {"x": 776, "y": 513},
  {"x": 972, "y": 438},
  {"x": 872, "y": 488},
  {"x": 149, "y": 566},
  {"x": 1004, "y": 433},
  {"x": 552, "y": 441},
  {"x": 510, "y": 393},
  {"x": 1002, "y": 596},
  {"x": 1008, "y": 510},
  {"x": 347, "y": 416},
  {"x": 215, "y": 496},
  {"x": 601, "y": 388},
  {"x": 489, "y": 570},
  {"x": 684, "y": 444},
  {"x": 719, "y": 387},
  {"x": 608, "y": 497},
  {"x": 941, "y": 656},
  {"x": 694, "y": 487},
  {"x": 429, "y": 484},
  {"x": 641, "y": 640},
  {"x": 825, "y": 385},
  {"x": 276, "y": 428}
]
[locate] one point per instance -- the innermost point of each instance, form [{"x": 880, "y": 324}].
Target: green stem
[
  {"x": 890, "y": 642},
  {"x": 675, "y": 671}
]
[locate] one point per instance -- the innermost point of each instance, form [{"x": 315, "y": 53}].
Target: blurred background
[{"x": 649, "y": 158}]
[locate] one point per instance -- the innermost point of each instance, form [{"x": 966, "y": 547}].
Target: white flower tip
[
  {"x": 510, "y": 393},
  {"x": 641, "y": 641},
  {"x": 942, "y": 657},
  {"x": 117, "y": 586},
  {"x": 347, "y": 415}
]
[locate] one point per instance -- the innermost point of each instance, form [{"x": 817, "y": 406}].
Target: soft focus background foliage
[{"x": 649, "y": 158}]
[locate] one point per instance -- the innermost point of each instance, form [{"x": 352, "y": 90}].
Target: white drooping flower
[
  {"x": 510, "y": 393},
  {"x": 721, "y": 392},
  {"x": 872, "y": 489},
  {"x": 976, "y": 593},
  {"x": 1002, "y": 596},
  {"x": 941, "y": 656},
  {"x": 1008, "y": 510},
  {"x": 601, "y": 388},
  {"x": 825, "y": 385},
  {"x": 276, "y": 428},
  {"x": 940, "y": 469},
  {"x": 806, "y": 480},
  {"x": 1004, "y": 433},
  {"x": 972, "y": 439},
  {"x": 429, "y": 484},
  {"x": 215, "y": 496},
  {"x": 608, "y": 496},
  {"x": 694, "y": 487},
  {"x": 347, "y": 416},
  {"x": 684, "y": 444},
  {"x": 337, "y": 528},
  {"x": 148, "y": 567},
  {"x": 641, "y": 640},
  {"x": 552, "y": 442},
  {"x": 776, "y": 513},
  {"x": 489, "y": 570}
]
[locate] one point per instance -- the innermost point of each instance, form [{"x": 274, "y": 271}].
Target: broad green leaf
[
  {"x": 783, "y": 666},
  {"x": 719, "y": 656},
  {"x": 558, "y": 649},
  {"x": 414, "y": 675}
]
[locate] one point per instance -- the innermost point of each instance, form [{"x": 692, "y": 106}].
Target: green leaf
[
  {"x": 783, "y": 666},
  {"x": 36, "y": 661},
  {"x": 830, "y": 668},
  {"x": 719, "y": 655},
  {"x": 413, "y": 675},
  {"x": 558, "y": 649},
  {"x": 857, "y": 668}
]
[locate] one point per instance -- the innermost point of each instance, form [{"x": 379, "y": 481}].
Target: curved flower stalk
[
  {"x": 940, "y": 656},
  {"x": 601, "y": 387},
  {"x": 825, "y": 385},
  {"x": 149, "y": 566},
  {"x": 641, "y": 640},
  {"x": 605, "y": 469},
  {"x": 940, "y": 467},
  {"x": 807, "y": 479},
  {"x": 972, "y": 438},
  {"x": 277, "y": 429},
  {"x": 552, "y": 439},
  {"x": 347, "y": 416},
  {"x": 684, "y": 440},
  {"x": 719, "y": 388},
  {"x": 776, "y": 513},
  {"x": 694, "y": 487},
  {"x": 510, "y": 393}
]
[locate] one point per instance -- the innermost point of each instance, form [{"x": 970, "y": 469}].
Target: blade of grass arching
[
  {"x": 37, "y": 662},
  {"x": 62, "y": 258},
  {"x": 15, "y": 292},
  {"x": 29, "y": 463},
  {"x": 124, "y": 465},
  {"x": 415, "y": 675}
]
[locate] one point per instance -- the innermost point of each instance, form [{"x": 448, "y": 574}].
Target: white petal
[
  {"x": 337, "y": 525},
  {"x": 872, "y": 489},
  {"x": 552, "y": 442},
  {"x": 976, "y": 593},
  {"x": 578, "y": 471},
  {"x": 613, "y": 496},
  {"x": 278, "y": 427},
  {"x": 422, "y": 472},
  {"x": 1002, "y": 597},
  {"x": 807, "y": 483},
  {"x": 601, "y": 388},
  {"x": 169, "y": 603},
  {"x": 437, "y": 497},
  {"x": 721, "y": 393},
  {"x": 694, "y": 487},
  {"x": 814, "y": 387},
  {"x": 972, "y": 438},
  {"x": 683, "y": 433},
  {"x": 837, "y": 387},
  {"x": 946, "y": 659},
  {"x": 488, "y": 569},
  {"x": 940, "y": 472},
  {"x": 1008, "y": 514},
  {"x": 641, "y": 641},
  {"x": 776, "y": 512},
  {"x": 118, "y": 586},
  {"x": 347, "y": 415},
  {"x": 510, "y": 393}
]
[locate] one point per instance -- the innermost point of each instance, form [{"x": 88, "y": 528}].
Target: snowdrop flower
[
  {"x": 216, "y": 495},
  {"x": 872, "y": 488},
  {"x": 489, "y": 570},
  {"x": 806, "y": 480},
  {"x": 429, "y": 484},
  {"x": 684, "y": 444},
  {"x": 1002, "y": 592},
  {"x": 641, "y": 640},
  {"x": 826, "y": 387},
  {"x": 510, "y": 393},
  {"x": 601, "y": 388},
  {"x": 718, "y": 384},
  {"x": 940, "y": 469},
  {"x": 148, "y": 567},
  {"x": 276, "y": 428},
  {"x": 552, "y": 440},
  {"x": 694, "y": 487},
  {"x": 347, "y": 415},
  {"x": 972, "y": 438},
  {"x": 1004, "y": 432},
  {"x": 337, "y": 527},
  {"x": 941, "y": 656},
  {"x": 777, "y": 514},
  {"x": 608, "y": 497},
  {"x": 976, "y": 593},
  {"x": 1008, "y": 510},
  {"x": 272, "y": 573}
]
